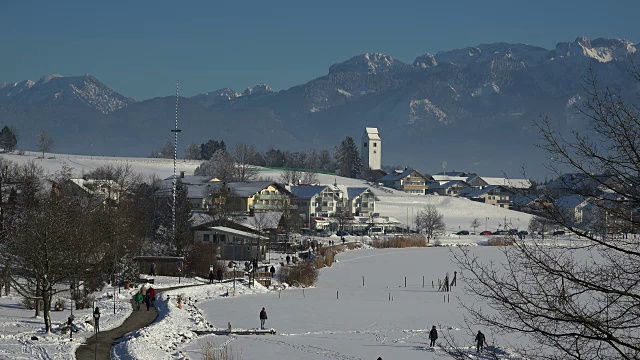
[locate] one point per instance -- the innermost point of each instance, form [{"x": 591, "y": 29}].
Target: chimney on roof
[{"x": 181, "y": 174}]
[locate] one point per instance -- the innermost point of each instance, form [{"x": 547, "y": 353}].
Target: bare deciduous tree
[
  {"x": 309, "y": 177},
  {"x": 192, "y": 152},
  {"x": 243, "y": 156},
  {"x": 575, "y": 301},
  {"x": 290, "y": 176},
  {"x": 475, "y": 224},
  {"x": 430, "y": 222},
  {"x": 45, "y": 143}
]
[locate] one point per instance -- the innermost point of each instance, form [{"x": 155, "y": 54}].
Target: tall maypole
[{"x": 175, "y": 132}]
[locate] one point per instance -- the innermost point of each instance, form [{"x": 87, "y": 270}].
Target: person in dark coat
[
  {"x": 480, "y": 341},
  {"x": 288, "y": 258},
  {"x": 433, "y": 335},
  {"x": 272, "y": 270},
  {"x": 219, "y": 275},
  {"x": 211, "y": 276},
  {"x": 263, "y": 318},
  {"x": 96, "y": 320},
  {"x": 147, "y": 300}
]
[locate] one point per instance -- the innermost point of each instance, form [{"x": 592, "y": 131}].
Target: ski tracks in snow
[{"x": 310, "y": 349}]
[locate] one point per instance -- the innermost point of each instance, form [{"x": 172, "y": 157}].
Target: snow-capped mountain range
[
  {"x": 472, "y": 107},
  {"x": 86, "y": 89}
]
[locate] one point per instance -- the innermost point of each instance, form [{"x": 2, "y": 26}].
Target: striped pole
[{"x": 175, "y": 132}]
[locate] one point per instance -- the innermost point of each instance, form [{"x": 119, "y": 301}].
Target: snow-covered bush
[{"x": 303, "y": 273}]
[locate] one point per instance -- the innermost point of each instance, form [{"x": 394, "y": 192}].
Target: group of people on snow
[
  {"x": 480, "y": 339},
  {"x": 146, "y": 295}
]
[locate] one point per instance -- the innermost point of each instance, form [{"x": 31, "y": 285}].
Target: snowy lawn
[{"x": 341, "y": 319}]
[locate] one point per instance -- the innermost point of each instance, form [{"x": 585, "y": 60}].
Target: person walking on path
[
  {"x": 433, "y": 335},
  {"x": 211, "y": 276},
  {"x": 152, "y": 294},
  {"x": 263, "y": 318},
  {"x": 219, "y": 275},
  {"x": 480, "y": 341},
  {"x": 288, "y": 259},
  {"x": 147, "y": 300},
  {"x": 96, "y": 320},
  {"x": 138, "y": 298},
  {"x": 272, "y": 270}
]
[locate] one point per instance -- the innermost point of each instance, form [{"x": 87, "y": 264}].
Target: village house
[
  {"x": 248, "y": 196},
  {"x": 358, "y": 201},
  {"x": 232, "y": 244},
  {"x": 316, "y": 203},
  {"x": 572, "y": 207},
  {"x": 197, "y": 188},
  {"x": 495, "y": 195},
  {"x": 479, "y": 181},
  {"x": 407, "y": 180},
  {"x": 449, "y": 188},
  {"x": 101, "y": 191}
]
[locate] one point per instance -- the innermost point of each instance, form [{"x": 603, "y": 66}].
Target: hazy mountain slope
[{"x": 472, "y": 108}]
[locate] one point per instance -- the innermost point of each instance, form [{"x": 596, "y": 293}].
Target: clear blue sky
[{"x": 139, "y": 48}]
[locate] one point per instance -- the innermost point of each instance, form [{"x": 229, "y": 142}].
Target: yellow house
[{"x": 257, "y": 196}]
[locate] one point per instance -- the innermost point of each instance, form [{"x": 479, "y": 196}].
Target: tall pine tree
[
  {"x": 348, "y": 159},
  {"x": 8, "y": 139}
]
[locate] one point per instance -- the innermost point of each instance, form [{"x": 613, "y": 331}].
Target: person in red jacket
[{"x": 152, "y": 292}]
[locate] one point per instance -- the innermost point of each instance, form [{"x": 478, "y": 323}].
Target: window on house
[
  {"x": 205, "y": 237},
  {"x": 365, "y": 144},
  {"x": 375, "y": 144}
]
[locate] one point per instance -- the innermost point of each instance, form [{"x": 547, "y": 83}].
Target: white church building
[{"x": 371, "y": 152}]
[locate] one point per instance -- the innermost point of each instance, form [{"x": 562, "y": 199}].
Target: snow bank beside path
[{"x": 173, "y": 328}]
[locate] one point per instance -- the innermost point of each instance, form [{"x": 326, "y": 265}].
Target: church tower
[{"x": 371, "y": 151}]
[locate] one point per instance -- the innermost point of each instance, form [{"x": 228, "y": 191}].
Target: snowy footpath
[{"x": 19, "y": 325}]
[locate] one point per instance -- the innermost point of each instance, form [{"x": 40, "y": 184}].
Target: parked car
[
  {"x": 462, "y": 232},
  {"x": 513, "y": 232},
  {"x": 523, "y": 232},
  {"x": 501, "y": 232},
  {"x": 342, "y": 233},
  {"x": 486, "y": 232},
  {"x": 558, "y": 232}
]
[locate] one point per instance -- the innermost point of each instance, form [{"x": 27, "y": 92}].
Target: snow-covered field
[{"x": 341, "y": 319}]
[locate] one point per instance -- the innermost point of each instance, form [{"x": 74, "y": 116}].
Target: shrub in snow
[
  {"x": 500, "y": 241},
  {"x": 211, "y": 352},
  {"x": 58, "y": 305},
  {"x": 303, "y": 273},
  {"x": 402, "y": 242},
  {"x": 30, "y": 303},
  {"x": 85, "y": 302}
]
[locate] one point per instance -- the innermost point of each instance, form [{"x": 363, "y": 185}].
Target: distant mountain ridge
[
  {"x": 472, "y": 108},
  {"x": 86, "y": 89}
]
